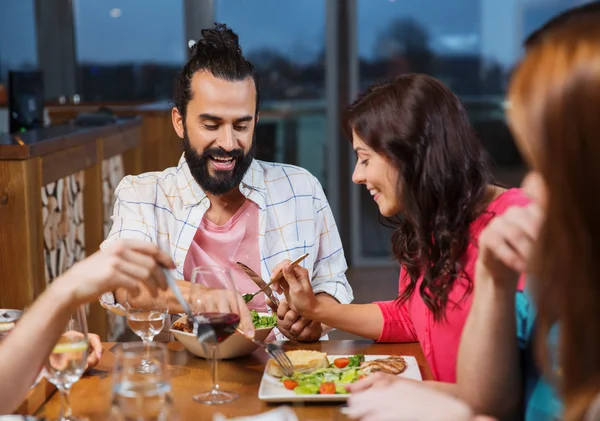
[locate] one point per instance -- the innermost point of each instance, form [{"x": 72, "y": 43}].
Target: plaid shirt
[{"x": 294, "y": 218}]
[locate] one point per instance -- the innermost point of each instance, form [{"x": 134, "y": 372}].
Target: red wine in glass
[{"x": 224, "y": 324}]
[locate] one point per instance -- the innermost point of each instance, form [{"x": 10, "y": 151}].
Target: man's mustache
[{"x": 222, "y": 153}]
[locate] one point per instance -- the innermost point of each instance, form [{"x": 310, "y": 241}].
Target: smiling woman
[{"x": 429, "y": 175}]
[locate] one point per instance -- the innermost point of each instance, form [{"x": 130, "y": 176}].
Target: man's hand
[{"x": 296, "y": 327}]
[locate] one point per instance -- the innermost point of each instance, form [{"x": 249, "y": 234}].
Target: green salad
[
  {"x": 327, "y": 381},
  {"x": 262, "y": 321}
]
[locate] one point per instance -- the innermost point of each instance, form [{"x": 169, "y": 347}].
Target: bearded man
[{"x": 220, "y": 205}]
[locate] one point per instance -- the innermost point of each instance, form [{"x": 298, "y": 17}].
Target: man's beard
[{"x": 221, "y": 181}]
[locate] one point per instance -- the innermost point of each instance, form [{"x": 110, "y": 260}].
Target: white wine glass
[
  {"x": 68, "y": 360},
  {"x": 214, "y": 301},
  {"x": 141, "y": 396},
  {"x": 146, "y": 321}
]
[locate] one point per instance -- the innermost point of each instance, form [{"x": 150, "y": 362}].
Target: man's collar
[{"x": 253, "y": 184}]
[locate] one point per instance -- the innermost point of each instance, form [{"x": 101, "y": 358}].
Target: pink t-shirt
[
  {"x": 224, "y": 245},
  {"x": 413, "y": 321}
]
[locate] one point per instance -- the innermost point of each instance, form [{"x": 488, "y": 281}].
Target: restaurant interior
[{"x": 86, "y": 98}]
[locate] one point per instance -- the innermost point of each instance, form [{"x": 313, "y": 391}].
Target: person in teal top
[
  {"x": 540, "y": 398},
  {"x": 499, "y": 370}
]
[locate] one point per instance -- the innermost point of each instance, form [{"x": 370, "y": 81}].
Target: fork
[{"x": 276, "y": 352}]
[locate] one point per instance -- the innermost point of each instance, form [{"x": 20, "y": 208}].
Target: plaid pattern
[{"x": 294, "y": 218}]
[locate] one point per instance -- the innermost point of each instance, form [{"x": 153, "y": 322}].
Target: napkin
[{"x": 283, "y": 413}]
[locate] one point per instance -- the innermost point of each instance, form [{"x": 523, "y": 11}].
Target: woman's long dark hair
[{"x": 421, "y": 127}]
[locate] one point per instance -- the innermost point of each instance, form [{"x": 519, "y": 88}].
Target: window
[
  {"x": 470, "y": 45},
  {"x": 18, "y": 44},
  {"x": 285, "y": 41},
  {"x": 129, "y": 50}
]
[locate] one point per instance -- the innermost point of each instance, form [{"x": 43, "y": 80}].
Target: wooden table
[{"x": 190, "y": 375}]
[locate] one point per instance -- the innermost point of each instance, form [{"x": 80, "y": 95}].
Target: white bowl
[{"x": 235, "y": 346}]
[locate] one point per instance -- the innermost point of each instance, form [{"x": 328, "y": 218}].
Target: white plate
[{"x": 271, "y": 388}]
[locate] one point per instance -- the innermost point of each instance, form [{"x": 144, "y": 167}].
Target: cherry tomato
[
  {"x": 341, "y": 362},
  {"x": 327, "y": 388},
  {"x": 290, "y": 384}
]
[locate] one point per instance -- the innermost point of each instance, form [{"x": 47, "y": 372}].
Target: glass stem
[
  {"x": 215, "y": 387},
  {"x": 147, "y": 343},
  {"x": 65, "y": 405}
]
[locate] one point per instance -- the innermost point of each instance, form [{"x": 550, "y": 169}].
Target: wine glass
[
  {"x": 146, "y": 321},
  {"x": 215, "y": 301},
  {"x": 141, "y": 396},
  {"x": 68, "y": 360}
]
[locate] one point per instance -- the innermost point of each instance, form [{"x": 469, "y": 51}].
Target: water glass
[
  {"x": 68, "y": 360},
  {"x": 140, "y": 396},
  {"x": 146, "y": 321}
]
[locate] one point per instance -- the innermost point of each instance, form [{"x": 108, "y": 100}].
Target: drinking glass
[
  {"x": 147, "y": 321},
  {"x": 68, "y": 360},
  {"x": 214, "y": 300},
  {"x": 141, "y": 396}
]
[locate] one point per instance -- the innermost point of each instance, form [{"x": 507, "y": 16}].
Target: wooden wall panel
[
  {"x": 21, "y": 237},
  {"x": 64, "y": 228},
  {"x": 94, "y": 231},
  {"x": 112, "y": 173}
]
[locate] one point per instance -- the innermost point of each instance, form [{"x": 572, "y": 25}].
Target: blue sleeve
[{"x": 525, "y": 318}]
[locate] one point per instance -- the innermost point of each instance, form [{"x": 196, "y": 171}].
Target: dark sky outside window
[{"x": 118, "y": 32}]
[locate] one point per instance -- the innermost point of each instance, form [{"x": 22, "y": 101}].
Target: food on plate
[
  {"x": 262, "y": 321},
  {"x": 302, "y": 360},
  {"x": 183, "y": 325},
  {"x": 341, "y": 362},
  {"x": 315, "y": 374},
  {"x": 327, "y": 388},
  {"x": 392, "y": 365}
]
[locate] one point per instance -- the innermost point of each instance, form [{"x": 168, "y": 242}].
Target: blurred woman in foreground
[
  {"x": 127, "y": 264},
  {"x": 554, "y": 114}
]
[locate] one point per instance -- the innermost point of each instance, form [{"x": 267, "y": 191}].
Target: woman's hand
[
  {"x": 94, "y": 350},
  {"x": 128, "y": 264},
  {"x": 506, "y": 244},
  {"x": 94, "y": 347},
  {"x": 406, "y": 400},
  {"x": 378, "y": 379},
  {"x": 297, "y": 289}
]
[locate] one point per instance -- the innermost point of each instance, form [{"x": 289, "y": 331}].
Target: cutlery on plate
[
  {"x": 276, "y": 352},
  {"x": 264, "y": 286}
]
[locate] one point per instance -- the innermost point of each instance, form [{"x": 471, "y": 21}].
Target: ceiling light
[{"x": 115, "y": 13}]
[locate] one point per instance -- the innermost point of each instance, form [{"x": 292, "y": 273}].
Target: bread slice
[{"x": 301, "y": 359}]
